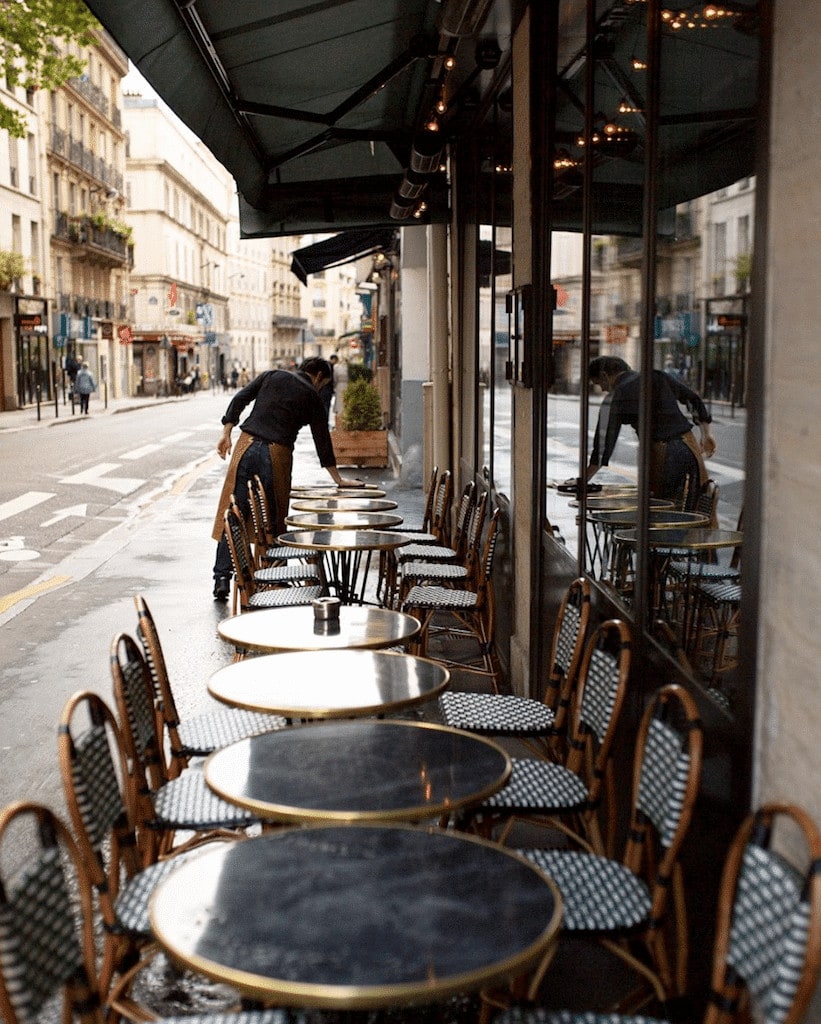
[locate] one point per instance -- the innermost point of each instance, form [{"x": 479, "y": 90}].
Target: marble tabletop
[
  {"x": 302, "y": 504},
  {"x": 356, "y": 916},
  {"x": 329, "y": 684},
  {"x": 342, "y": 520},
  {"x": 269, "y": 630},
  {"x": 358, "y": 770}
]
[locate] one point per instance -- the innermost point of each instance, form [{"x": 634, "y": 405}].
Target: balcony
[
  {"x": 62, "y": 144},
  {"x": 98, "y": 243},
  {"x": 92, "y": 93}
]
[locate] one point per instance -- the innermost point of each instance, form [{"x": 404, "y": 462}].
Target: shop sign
[{"x": 28, "y": 321}]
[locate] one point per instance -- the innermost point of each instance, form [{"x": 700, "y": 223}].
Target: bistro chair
[
  {"x": 540, "y": 723},
  {"x": 471, "y": 613},
  {"x": 581, "y": 790},
  {"x": 436, "y": 551},
  {"x": 461, "y": 571},
  {"x": 197, "y": 735},
  {"x": 48, "y": 954},
  {"x": 631, "y": 905},
  {"x": 46, "y": 928},
  {"x": 767, "y": 949},
  {"x": 435, "y": 529},
  {"x": 266, "y": 548},
  {"x": 252, "y": 588},
  {"x": 165, "y": 806}
]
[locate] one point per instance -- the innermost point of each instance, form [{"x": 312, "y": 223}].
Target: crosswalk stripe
[{"x": 23, "y": 503}]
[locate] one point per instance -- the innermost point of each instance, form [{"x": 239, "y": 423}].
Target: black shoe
[{"x": 222, "y": 588}]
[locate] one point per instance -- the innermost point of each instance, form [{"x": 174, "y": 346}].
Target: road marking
[
  {"x": 64, "y": 513},
  {"x": 138, "y": 453},
  {"x": 23, "y": 503},
  {"x": 179, "y": 436},
  {"x": 10, "y": 600},
  {"x": 94, "y": 477}
]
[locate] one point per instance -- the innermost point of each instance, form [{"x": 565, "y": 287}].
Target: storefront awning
[
  {"x": 343, "y": 248},
  {"x": 312, "y": 107}
]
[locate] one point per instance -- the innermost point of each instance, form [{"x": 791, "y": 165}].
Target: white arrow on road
[
  {"x": 94, "y": 477},
  {"x": 64, "y": 513}
]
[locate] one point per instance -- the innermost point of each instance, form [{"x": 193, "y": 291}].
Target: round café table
[
  {"x": 346, "y": 556},
  {"x": 342, "y": 521},
  {"x": 270, "y": 630},
  {"x": 614, "y": 558},
  {"x": 692, "y": 545},
  {"x": 357, "y": 917},
  {"x": 363, "y": 769},
  {"x": 329, "y": 684},
  {"x": 343, "y": 504},
  {"x": 317, "y": 491}
]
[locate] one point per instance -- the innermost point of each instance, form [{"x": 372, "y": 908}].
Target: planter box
[{"x": 360, "y": 447}]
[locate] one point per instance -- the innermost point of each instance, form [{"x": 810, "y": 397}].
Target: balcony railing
[
  {"x": 83, "y": 231},
  {"x": 71, "y": 149},
  {"x": 93, "y": 93}
]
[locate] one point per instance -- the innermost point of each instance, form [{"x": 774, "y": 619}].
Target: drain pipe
[{"x": 438, "y": 342}]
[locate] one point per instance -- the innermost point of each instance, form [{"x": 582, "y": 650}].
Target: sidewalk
[{"x": 27, "y": 418}]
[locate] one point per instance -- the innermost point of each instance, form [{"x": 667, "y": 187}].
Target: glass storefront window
[{"x": 652, "y": 209}]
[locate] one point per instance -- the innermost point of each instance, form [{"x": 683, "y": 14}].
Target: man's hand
[
  {"x": 344, "y": 482},
  {"x": 224, "y": 444}
]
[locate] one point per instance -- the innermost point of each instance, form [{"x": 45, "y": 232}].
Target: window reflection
[{"x": 684, "y": 312}]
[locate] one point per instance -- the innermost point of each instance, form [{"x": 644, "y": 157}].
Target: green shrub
[
  {"x": 358, "y": 371},
  {"x": 361, "y": 407}
]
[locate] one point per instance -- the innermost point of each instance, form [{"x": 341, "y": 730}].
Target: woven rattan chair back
[
  {"x": 95, "y": 774},
  {"x": 430, "y": 493},
  {"x": 768, "y": 933},
  {"x": 567, "y": 647},
  {"x": 163, "y": 694},
  {"x": 46, "y": 933},
  {"x": 440, "y": 509},
  {"x": 242, "y": 558},
  {"x": 463, "y": 510},
  {"x": 666, "y": 777},
  {"x": 593, "y": 715},
  {"x": 260, "y": 526}
]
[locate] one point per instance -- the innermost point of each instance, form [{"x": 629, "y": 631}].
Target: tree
[{"x": 29, "y": 54}]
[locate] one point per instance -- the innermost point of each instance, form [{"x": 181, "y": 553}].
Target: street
[{"x": 148, "y": 483}]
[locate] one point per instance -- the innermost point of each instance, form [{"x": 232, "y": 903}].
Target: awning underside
[{"x": 343, "y": 248}]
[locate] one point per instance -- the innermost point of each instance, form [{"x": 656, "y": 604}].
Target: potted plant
[
  {"x": 359, "y": 438},
  {"x": 12, "y": 266}
]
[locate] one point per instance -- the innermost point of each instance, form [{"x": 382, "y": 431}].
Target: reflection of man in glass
[{"x": 676, "y": 462}]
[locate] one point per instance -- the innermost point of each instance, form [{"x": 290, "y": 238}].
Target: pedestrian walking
[
  {"x": 84, "y": 386},
  {"x": 284, "y": 402}
]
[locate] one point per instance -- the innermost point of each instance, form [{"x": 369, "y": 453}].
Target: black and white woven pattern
[
  {"x": 705, "y": 572},
  {"x": 440, "y": 599},
  {"x": 287, "y": 597},
  {"x": 768, "y": 938},
  {"x": 38, "y": 943},
  {"x": 435, "y": 572},
  {"x": 283, "y": 574},
  {"x": 539, "y": 786},
  {"x": 246, "y": 1017},
  {"x": 96, "y": 786},
  {"x": 568, "y": 634},
  {"x": 426, "y": 553},
  {"x": 521, "y": 1015},
  {"x": 665, "y": 771},
  {"x": 131, "y": 905},
  {"x": 140, "y": 709},
  {"x": 187, "y": 803},
  {"x": 283, "y": 553},
  {"x": 598, "y": 894},
  {"x": 720, "y": 593},
  {"x": 496, "y": 714},
  {"x": 600, "y": 690},
  {"x": 214, "y": 730}
]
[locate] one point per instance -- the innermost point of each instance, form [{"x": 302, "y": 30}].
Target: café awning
[{"x": 343, "y": 248}]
